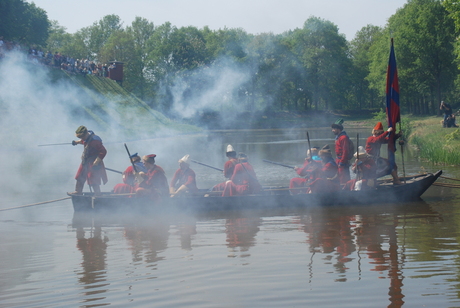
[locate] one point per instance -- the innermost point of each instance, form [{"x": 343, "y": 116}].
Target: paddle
[
  {"x": 46, "y": 145},
  {"x": 116, "y": 171},
  {"x": 197, "y": 162},
  {"x": 279, "y": 164},
  {"x": 45, "y": 202}
]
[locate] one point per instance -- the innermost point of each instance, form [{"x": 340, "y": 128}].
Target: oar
[
  {"x": 116, "y": 171},
  {"x": 279, "y": 164},
  {"x": 45, "y": 202},
  {"x": 197, "y": 162},
  {"x": 50, "y": 144}
]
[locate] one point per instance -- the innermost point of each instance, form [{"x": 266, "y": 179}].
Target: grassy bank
[{"x": 435, "y": 144}]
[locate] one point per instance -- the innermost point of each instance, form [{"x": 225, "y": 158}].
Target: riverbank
[{"x": 435, "y": 144}]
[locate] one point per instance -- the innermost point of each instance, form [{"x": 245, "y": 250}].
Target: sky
[{"x": 253, "y": 16}]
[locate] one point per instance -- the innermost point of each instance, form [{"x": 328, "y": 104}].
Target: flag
[{"x": 392, "y": 98}]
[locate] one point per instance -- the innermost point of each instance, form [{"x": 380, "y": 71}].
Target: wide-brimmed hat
[
  {"x": 185, "y": 159},
  {"x": 313, "y": 150},
  {"x": 361, "y": 152},
  {"x": 325, "y": 150}
]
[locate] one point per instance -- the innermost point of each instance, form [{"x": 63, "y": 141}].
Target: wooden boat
[{"x": 271, "y": 197}]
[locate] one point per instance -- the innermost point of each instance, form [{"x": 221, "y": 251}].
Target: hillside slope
[{"x": 110, "y": 106}]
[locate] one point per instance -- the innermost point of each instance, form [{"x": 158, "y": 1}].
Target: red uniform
[
  {"x": 128, "y": 185},
  {"x": 366, "y": 171},
  {"x": 155, "y": 183},
  {"x": 321, "y": 184},
  {"x": 373, "y": 145},
  {"x": 229, "y": 167},
  {"x": 309, "y": 172},
  {"x": 184, "y": 177},
  {"x": 243, "y": 181},
  {"x": 93, "y": 149},
  {"x": 342, "y": 154}
]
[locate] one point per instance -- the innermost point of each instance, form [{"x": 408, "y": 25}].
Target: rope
[
  {"x": 447, "y": 185},
  {"x": 45, "y": 202},
  {"x": 445, "y": 177}
]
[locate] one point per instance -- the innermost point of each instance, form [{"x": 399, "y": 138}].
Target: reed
[{"x": 436, "y": 144}]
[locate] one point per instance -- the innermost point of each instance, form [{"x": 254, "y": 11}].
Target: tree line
[{"x": 313, "y": 68}]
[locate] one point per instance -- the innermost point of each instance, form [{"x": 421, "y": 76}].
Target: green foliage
[
  {"x": 311, "y": 68},
  {"x": 23, "y": 22}
]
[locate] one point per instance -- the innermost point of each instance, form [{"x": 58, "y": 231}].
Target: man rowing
[
  {"x": 154, "y": 184},
  {"x": 184, "y": 179},
  {"x": 243, "y": 181},
  {"x": 307, "y": 172},
  {"x": 130, "y": 181}
]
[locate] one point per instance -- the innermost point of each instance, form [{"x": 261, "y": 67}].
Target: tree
[
  {"x": 23, "y": 22},
  {"x": 360, "y": 53},
  {"x": 325, "y": 56},
  {"x": 424, "y": 42}
]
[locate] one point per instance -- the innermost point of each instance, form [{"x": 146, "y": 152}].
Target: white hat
[
  {"x": 230, "y": 148},
  {"x": 184, "y": 159},
  {"x": 362, "y": 152}
]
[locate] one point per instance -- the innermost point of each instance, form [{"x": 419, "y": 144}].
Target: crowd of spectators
[{"x": 57, "y": 60}]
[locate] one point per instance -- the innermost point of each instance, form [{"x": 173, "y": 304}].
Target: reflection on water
[{"x": 402, "y": 255}]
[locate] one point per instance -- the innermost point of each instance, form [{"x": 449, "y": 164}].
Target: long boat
[{"x": 270, "y": 197}]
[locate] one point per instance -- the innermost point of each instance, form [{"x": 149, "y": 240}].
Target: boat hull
[{"x": 386, "y": 192}]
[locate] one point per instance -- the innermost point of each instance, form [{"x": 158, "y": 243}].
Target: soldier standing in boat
[
  {"x": 342, "y": 151},
  {"x": 373, "y": 145},
  {"x": 92, "y": 168},
  {"x": 184, "y": 179}
]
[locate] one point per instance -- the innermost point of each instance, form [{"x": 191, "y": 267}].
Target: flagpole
[{"x": 401, "y": 143}]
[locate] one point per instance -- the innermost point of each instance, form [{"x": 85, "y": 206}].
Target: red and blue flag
[{"x": 392, "y": 98}]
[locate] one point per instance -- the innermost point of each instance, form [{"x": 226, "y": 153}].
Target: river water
[{"x": 384, "y": 255}]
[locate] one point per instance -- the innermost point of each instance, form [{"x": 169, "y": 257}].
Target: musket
[
  {"x": 129, "y": 155},
  {"x": 309, "y": 145},
  {"x": 197, "y": 162},
  {"x": 46, "y": 145},
  {"x": 279, "y": 164}
]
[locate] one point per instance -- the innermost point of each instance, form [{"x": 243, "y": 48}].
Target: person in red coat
[
  {"x": 92, "y": 168},
  {"x": 327, "y": 179},
  {"x": 130, "y": 181},
  {"x": 243, "y": 181},
  {"x": 154, "y": 184},
  {"x": 366, "y": 172},
  {"x": 184, "y": 179},
  {"x": 373, "y": 145},
  {"x": 342, "y": 151},
  {"x": 229, "y": 167},
  {"x": 308, "y": 171}
]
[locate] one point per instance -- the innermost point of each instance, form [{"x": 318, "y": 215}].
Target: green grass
[{"x": 436, "y": 144}]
